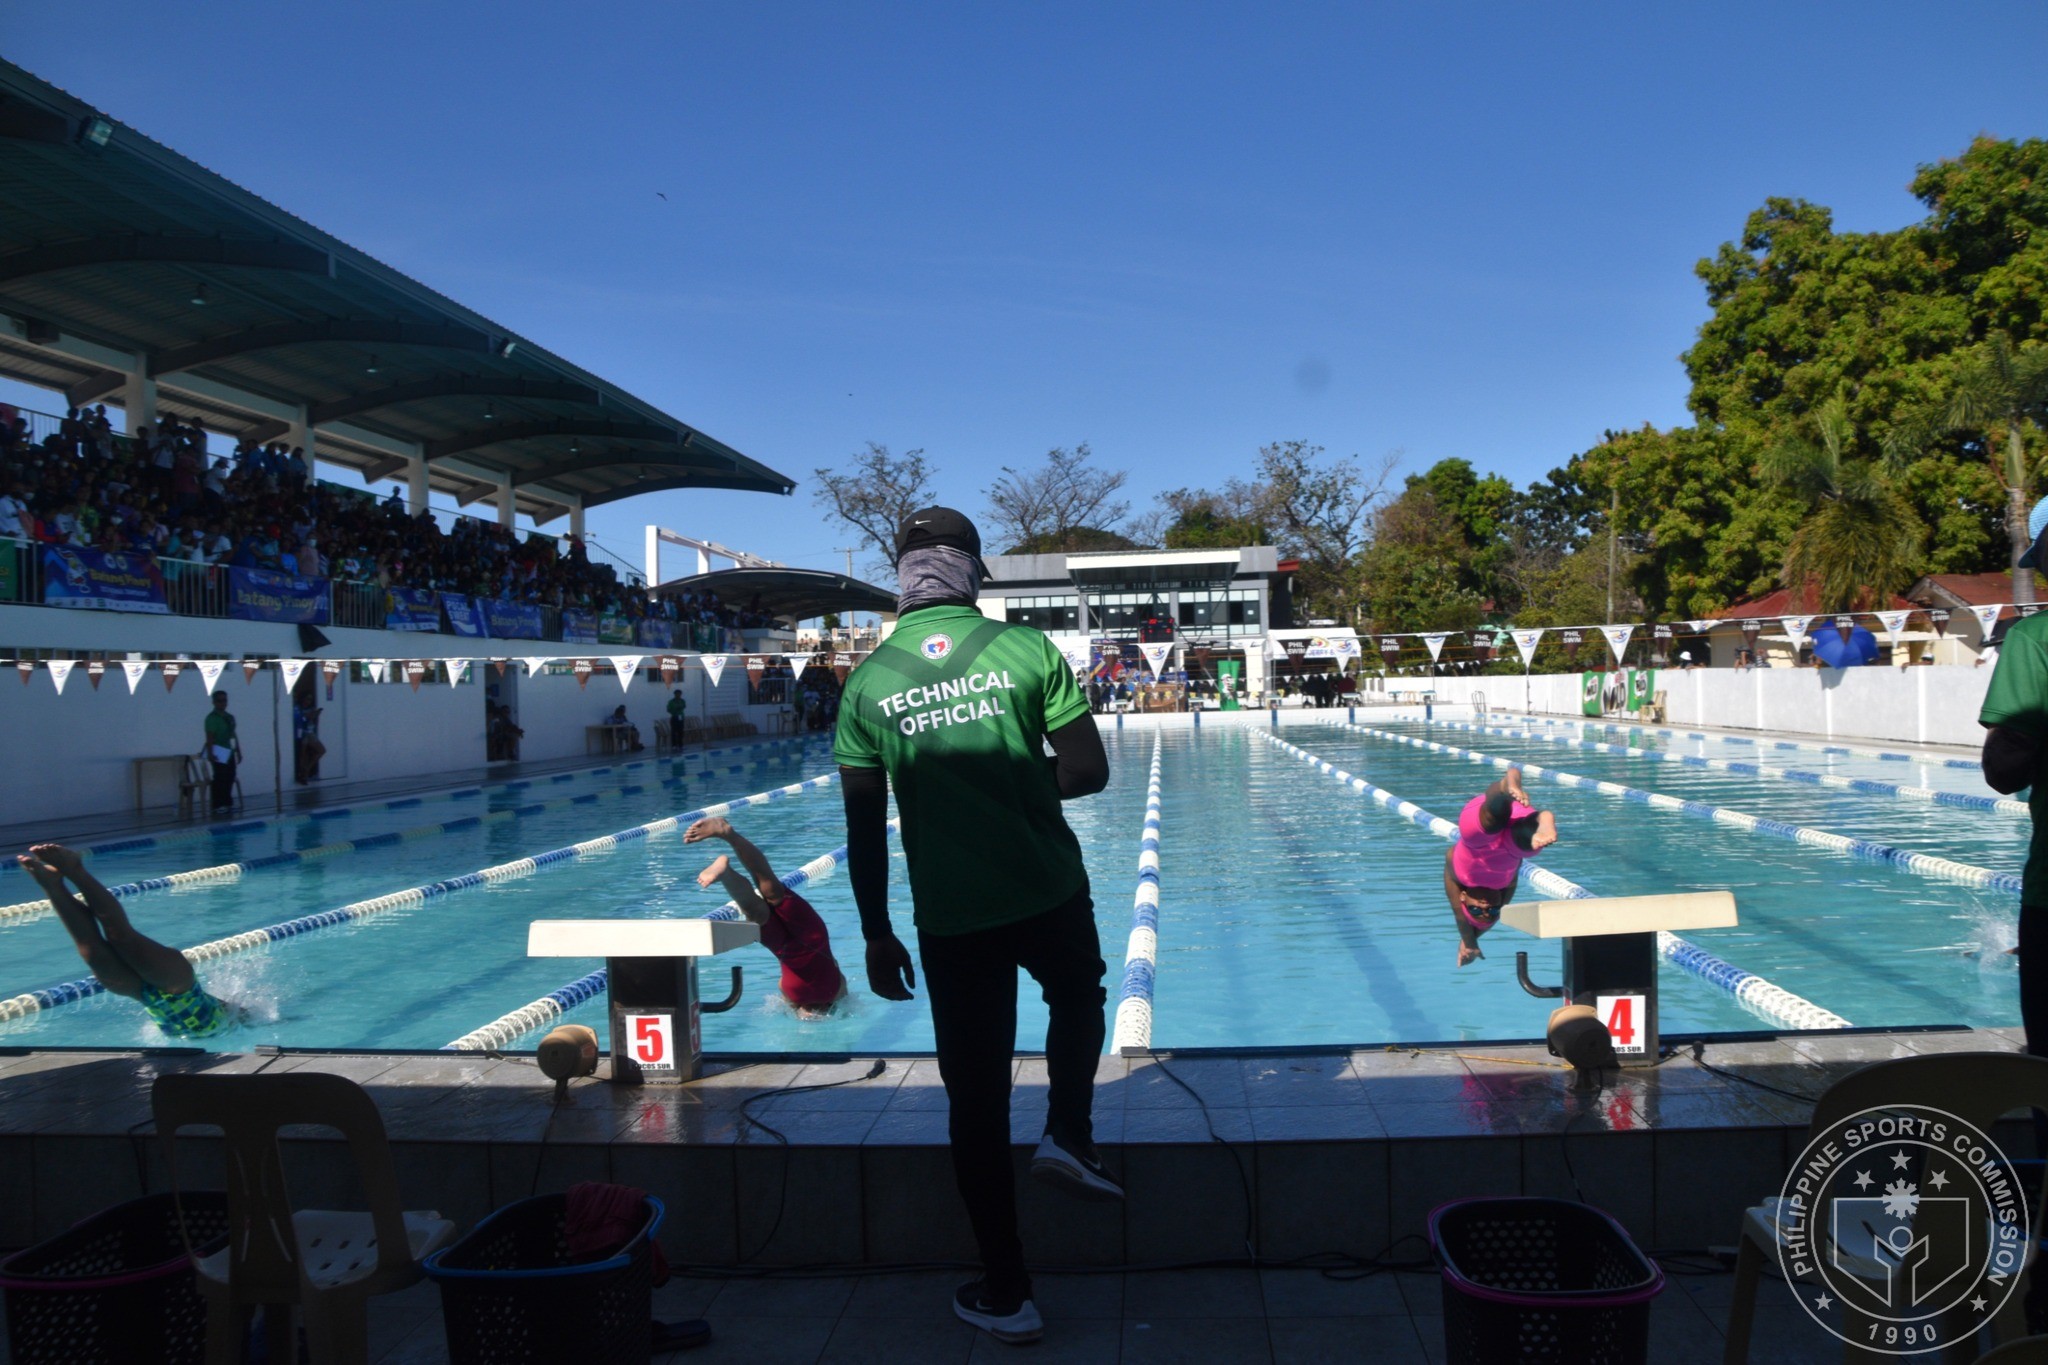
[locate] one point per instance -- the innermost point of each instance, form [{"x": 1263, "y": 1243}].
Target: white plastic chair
[
  {"x": 1977, "y": 1087},
  {"x": 329, "y": 1264}
]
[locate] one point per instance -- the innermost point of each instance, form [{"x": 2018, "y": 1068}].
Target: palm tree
[
  {"x": 2003, "y": 386},
  {"x": 1861, "y": 541}
]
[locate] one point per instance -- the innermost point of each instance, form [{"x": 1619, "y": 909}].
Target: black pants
[
  {"x": 224, "y": 786},
  {"x": 972, "y": 982},
  {"x": 2034, "y": 995}
]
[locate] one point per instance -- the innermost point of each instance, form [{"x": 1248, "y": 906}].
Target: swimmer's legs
[
  {"x": 164, "y": 968},
  {"x": 1468, "y": 937},
  {"x": 99, "y": 956}
]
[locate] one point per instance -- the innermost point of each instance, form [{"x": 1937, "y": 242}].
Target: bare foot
[
  {"x": 708, "y": 878},
  {"x": 711, "y": 827},
  {"x": 47, "y": 877},
  {"x": 65, "y": 860}
]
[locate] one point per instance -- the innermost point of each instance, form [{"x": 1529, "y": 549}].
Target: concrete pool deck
[{"x": 1322, "y": 1150}]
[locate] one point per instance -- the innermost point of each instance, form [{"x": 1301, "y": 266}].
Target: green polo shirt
[
  {"x": 2018, "y": 700},
  {"x": 956, "y": 707},
  {"x": 220, "y": 729}
]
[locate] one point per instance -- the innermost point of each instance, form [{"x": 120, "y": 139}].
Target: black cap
[{"x": 934, "y": 526}]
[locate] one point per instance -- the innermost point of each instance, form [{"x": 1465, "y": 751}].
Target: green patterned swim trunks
[{"x": 188, "y": 1014}]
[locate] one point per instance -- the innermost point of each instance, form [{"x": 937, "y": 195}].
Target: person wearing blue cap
[{"x": 2015, "y": 717}]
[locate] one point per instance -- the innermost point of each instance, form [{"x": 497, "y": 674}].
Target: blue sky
[{"x": 1173, "y": 231}]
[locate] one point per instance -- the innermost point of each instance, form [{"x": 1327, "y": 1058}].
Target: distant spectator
[
  {"x": 629, "y": 733},
  {"x": 223, "y": 750}
]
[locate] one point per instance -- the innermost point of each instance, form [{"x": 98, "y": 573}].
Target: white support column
[
  {"x": 508, "y": 508},
  {"x": 416, "y": 482},
  {"x": 703, "y": 560},
  {"x": 138, "y": 396},
  {"x": 576, "y": 520},
  {"x": 653, "y": 556}
]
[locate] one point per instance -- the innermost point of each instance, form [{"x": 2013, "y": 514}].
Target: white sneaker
[
  {"x": 1016, "y": 1323},
  {"x": 1078, "y": 1169}
]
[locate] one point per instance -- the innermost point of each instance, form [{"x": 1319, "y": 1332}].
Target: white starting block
[
  {"x": 650, "y": 985},
  {"x": 1610, "y": 956}
]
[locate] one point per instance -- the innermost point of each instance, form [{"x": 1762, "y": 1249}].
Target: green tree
[
  {"x": 874, "y": 492},
  {"x": 1052, "y": 505},
  {"x": 1410, "y": 577},
  {"x": 1321, "y": 511},
  {"x": 2001, "y": 398},
  {"x": 1860, "y": 541}
]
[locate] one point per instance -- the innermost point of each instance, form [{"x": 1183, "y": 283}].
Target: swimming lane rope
[
  {"x": 1939, "y": 760},
  {"x": 1932, "y": 796},
  {"x": 1141, "y": 957},
  {"x": 1772, "y": 1002},
  {"x": 235, "y": 827},
  {"x": 1920, "y": 864},
  {"x": 21, "y": 1006},
  {"x": 229, "y": 872},
  {"x": 507, "y": 1029}
]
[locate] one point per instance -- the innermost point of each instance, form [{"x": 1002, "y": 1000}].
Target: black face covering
[{"x": 938, "y": 573}]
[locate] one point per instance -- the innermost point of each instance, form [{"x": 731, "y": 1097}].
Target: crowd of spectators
[{"x": 162, "y": 493}]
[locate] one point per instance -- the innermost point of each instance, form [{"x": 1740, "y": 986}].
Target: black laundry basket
[
  {"x": 1541, "y": 1280},
  {"x": 511, "y": 1295},
  {"x": 117, "y": 1289}
]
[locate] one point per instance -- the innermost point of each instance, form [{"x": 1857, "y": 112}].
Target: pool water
[{"x": 1292, "y": 910}]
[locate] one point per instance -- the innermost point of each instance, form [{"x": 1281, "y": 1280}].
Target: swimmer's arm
[
  {"x": 1080, "y": 765},
  {"x": 2010, "y": 759},
  {"x": 758, "y": 867}
]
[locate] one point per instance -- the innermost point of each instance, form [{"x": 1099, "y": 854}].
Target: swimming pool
[{"x": 1292, "y": 910}]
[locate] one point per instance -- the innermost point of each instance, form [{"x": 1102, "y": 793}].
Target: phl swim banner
[
  {"x": 511, "y": 620},
  {"x": 463, "y": 617},
  {"x": 412, "y": 609},
  {"x": 267, "y": 595},
  {"x": 102, "y": 580}
]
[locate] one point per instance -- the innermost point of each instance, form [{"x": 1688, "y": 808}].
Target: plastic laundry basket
[
  {"x": 510, "y": 1294},
  {"x": 1541, "y": 1280},
  {"x": 118, "y": 1288}
]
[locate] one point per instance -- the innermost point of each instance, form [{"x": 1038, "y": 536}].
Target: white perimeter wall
[{"x": 1932, "y": 705}]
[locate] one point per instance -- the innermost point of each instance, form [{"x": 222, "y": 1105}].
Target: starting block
[
  {"x": 650, "y": 985},
  {"x": 1610, "y": 956}
]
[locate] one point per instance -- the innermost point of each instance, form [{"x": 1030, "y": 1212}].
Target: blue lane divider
[
  {"x": 1771, "y": 1001},
  {"x": 1920, "y": 864},
  {"x": 229, "y": 872},
  {"x": 530, "y": 1018},
  {"x": 1869, "y": 785},
  {"x": 31, "y": 1002},
  {"x": 235, "y": 827},
  {"x": 1133, "y": 1034},
  {"x": 1938, "y": 760}
]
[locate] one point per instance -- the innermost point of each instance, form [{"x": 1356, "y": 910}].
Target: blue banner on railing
[
  {"x": 411, "y": 609},
  {"x": 512, "y": 620},
  {"x": 656, "y": 634},
  {"x": 102, "y": 580},
  {"x": 463, "y": 616},
  {"x": 267, "y": 595},
  {"x": 578, "y": 627}
]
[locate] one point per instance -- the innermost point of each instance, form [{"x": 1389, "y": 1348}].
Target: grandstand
[{"x": 205, "y": 354}]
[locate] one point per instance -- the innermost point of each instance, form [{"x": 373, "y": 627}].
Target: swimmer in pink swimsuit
[
  {"x": 790, "y": 927},
  {"x": 1497, "y": 831}
]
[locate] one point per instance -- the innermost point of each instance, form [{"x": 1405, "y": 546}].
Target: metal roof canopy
[
  {"x": 1184, "y": 570},
  {"x": 794, "y": 593},
  {"x": 115, "y": 249}
]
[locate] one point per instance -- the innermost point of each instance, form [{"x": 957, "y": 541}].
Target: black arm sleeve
[
  {"x": 2010, "y": 759},
  {"x": 867, "y": 846},
  {"x": 1080, "y": 765}
]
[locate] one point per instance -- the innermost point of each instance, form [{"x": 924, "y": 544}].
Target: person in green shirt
[
  {"x": 677, "y": 708},
  {"x": 222, "y": 750},
  {"x": 954, "y": 711},
  {"x": 2015, "y": 717}
]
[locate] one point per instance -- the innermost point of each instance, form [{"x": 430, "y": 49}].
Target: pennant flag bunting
[
  {"x": 714, "y": 667},
  {"x": 535, "y": 663},
  {"x": 796, "y": 664},
  {"x": 1436, "y": 645},
  {"x": 210, "y": 671},
  {"x": 1893, "y": 622},
  {"x": 458, "y": 670},
  {"x": 1987, "y": 619},
  {"x": 134, "y": 668},
  {"x": 1155, "y": 654},
  {"x": 250, "y": 668},
  {"x": 60, "y": 669},
  {"x": 1617, "y": 639},
  {"x": 27, "y": 668},
  {"x": 842, "y": 664},
  {"x": 377, "y": 669},
  {"x": 292, "y": 668},
  {"x": 94, "y": 671},
  {"x": 625, "y": 665},
  {"x": 1526, "y": 641},
  {"x": 500, "y": 664},
  {"x": 583, "y": 669},
  {"x": 171, "y": 669},
  {"x": 415, "y": 671},
  {"x": 330, "y": 669}
]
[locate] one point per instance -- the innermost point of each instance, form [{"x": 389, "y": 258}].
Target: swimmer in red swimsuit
[
  {"x": 1497, "y": 831},
  {"x": 811, "y": 980}
]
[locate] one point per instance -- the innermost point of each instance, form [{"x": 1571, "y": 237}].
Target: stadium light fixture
[
  {"x": 96, "y": 131},
  {"x": 505, "y": 351},
  {"x": 371, "y": 368},
  {"x": 198, "y": 299}
]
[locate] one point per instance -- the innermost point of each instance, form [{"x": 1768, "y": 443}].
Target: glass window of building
[{"x": 1055, "y": 614}]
